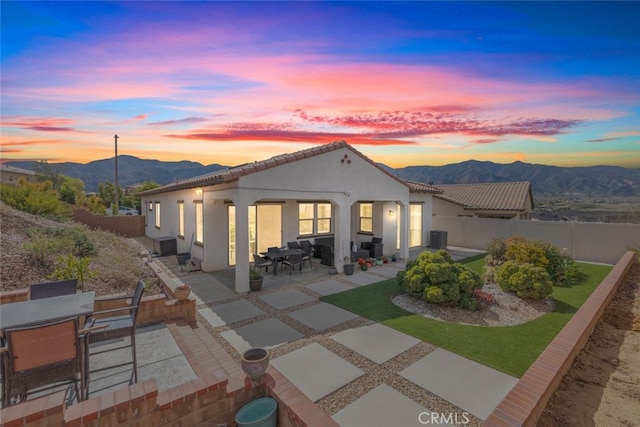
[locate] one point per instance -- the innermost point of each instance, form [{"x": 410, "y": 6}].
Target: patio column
[
  {"x": 404, "y": 230},
  {"x": 342, "y": 232},
  {"x": 242, "y": 203}
]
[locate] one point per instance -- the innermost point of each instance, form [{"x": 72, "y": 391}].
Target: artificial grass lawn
[{"x": 510, "y": 349}]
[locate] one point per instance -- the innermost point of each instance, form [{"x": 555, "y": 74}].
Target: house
[
  {"x": 13, "y": 175},
  {"x": 331, "y": 192},
  {"x": 504, "y": 200}
]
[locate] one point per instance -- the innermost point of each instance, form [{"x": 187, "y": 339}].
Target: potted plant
[
  {"x": 255, "y": 280},
  {"x": 379, "y": 261},
  {"x": 182, "y": 292},
  {"x": 394, "y": 258},
  {"x": 349, "y": 267}
]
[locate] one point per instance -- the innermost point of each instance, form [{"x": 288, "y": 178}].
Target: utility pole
[{"x": 116, "y": 209}]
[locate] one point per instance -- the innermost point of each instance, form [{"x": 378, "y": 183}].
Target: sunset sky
[{"x": 415, "y": 83}]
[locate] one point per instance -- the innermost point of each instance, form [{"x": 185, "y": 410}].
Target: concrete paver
[
  {"x": 361, "y": 278},
  {"x": 266, "y": 333},
  {"x": 316, "y": 371},
  {"x": 383, "y": 407},
  {"x": 467, "y": 384},
  {"x": 286, "y": 298},
  {"x": 328, "y": 287},
  {"x": 322, "y": 316},
  {"x": 376, "y": 342},
  {"x": 231, "y": 312}
]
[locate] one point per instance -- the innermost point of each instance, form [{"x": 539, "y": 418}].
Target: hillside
[{"x": 595, "y": 183}]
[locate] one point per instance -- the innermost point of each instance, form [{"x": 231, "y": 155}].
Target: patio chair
[
  {"x": 43, "y": 357},
  {"x": 53, "y": 289},
  {"x": 307, "y": 247},
  {"x": 117, "y": 327},
  {"x": 374, "y": 247},
  {"x": 261, "y": 263},
  {"x": 293, "y": 245},
  {"x": 293, "y": 262}
]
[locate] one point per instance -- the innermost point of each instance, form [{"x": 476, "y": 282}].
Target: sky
[{"x": 405, "y": 83}]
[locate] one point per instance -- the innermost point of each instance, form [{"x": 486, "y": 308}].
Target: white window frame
[
  {"x": 157, "y": 208},
  {"x": 181, "y": 218},
  {"x": 199, "y": 222},
  {"x": 316, "y": 219},
  {"x": 362, "y": 229}
]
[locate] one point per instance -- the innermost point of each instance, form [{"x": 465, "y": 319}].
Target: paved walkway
[{"x": 358, "y": 371}]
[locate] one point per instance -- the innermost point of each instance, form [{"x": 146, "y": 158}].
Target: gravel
[{"x": 507, "y": 309}]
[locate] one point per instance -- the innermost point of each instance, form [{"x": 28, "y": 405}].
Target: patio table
[
  {"x": 277, "y": 254},
  {"x": 24, "y": 313}
]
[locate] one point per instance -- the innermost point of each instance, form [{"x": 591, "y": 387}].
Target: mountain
[
  {"x": 548, "y": 182},
  {"x": 131, "y": 170}
]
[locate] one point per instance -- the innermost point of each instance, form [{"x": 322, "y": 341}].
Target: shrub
[
  {"x": 435, "y": 277},
  {"x": 71, "y": 267},
  {"x": 35, "y": 198},
  {"x": 525, "y": 280},
  {"x": 539, "y": 253}
]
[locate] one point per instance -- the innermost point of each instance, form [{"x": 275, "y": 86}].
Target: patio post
[
  {"x": 404, "y": 230},
  {"x": 242, "y": 245}
]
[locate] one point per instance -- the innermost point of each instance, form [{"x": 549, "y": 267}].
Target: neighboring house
[
  {"x": 503, "y": 200},
  {"x": 12, "y": 175},
  {"x": 330, "y": 191}
]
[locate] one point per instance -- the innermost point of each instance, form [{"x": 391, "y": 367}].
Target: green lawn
[{"x": 510, "y": 349}]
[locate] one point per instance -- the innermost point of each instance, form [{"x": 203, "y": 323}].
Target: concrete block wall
[{"x": 123, "y": 225}]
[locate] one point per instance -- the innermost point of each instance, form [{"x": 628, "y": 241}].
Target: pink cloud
[{"x": 188, "y": 120}]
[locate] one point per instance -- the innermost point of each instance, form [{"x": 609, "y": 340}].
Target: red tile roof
[
  {"x": 234, "y": 173},
  {"x": 501, "y": 196}
]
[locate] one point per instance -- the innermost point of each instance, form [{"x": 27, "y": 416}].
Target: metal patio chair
[
  {"x": 42, "y": 357},
  {"x": 117, "y": 327},
  {"x": 261, "y": 263},
  {"x": 293, "y": 262},
  {"x": 53, "y": 289}
]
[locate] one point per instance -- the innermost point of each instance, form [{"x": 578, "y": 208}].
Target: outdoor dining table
[
  {"x": 276, "y": 254},
  {"x": 25, "y": 313}
]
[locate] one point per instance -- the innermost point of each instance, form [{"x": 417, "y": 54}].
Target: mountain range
[{"x": 592, "y": 183}]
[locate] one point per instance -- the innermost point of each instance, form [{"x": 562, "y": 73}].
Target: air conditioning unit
[{"x": 438, "y": 239}]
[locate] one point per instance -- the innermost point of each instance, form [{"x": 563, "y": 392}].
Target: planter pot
[
  {"x": 255, "y": 285},
  {"x": 181, "y": 294},
  {"x": 364, "y": 267},
  {"x": 349, "y": 269},
  {"x": 333, "y": 271},
  {"x": 255, "y": 362},
  {"x": 379, "y": 262},
  {"x": 394, "y": 258}
]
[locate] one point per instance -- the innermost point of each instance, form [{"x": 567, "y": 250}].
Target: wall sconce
[
  {"x": 198, "y": 191},
  {"x": 392, "y": 212}
]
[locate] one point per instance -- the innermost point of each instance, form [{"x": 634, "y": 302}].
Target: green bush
[
  {"x": 45, "y": 244},
  {"x": 561, "y": 268},
  {"x": 71, "y": 267},
  {"x": 34, "y": 198},
  {"x": 524, "y": 279},
  {"x": 436, "y": 278}
]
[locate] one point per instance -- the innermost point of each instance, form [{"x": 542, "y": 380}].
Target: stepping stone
[
  {"x": 386, "y": 271},
  {"x": 322, "y": 316},
  {"x": 268, "y": 333},
  {"x": 383, "y": 407},
  {"x": 376, "y": 342},
  {"x": 461, "y": 381},
  {"x": 225, "y": 314},
  {"x": 328, "y": 287},
  {"x": 288, "y": 298},
  {"x": 316, "y": 371},
  {"x": 363, "y": 278}
]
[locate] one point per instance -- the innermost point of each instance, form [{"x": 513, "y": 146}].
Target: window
[
  {"x": 180, "y": 218},
  {"x": 157, "y": 214},
  {"x": 199, "y": 237},
  {"x": 366, "y": 217},
  {"x": 314, "y": 218},
  {"x": 150, "y": 206},
  {"x": 415, "y": 225}
]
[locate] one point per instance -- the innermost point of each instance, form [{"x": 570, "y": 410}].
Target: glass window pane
[
  {"x": 324, "y": 226},
  {"x": 415, "y": 225},
  {"x": 305, "y": 211},
  {"x": 366, "y": 224},
  {"x": 305, "y": 227},
  {"x": 232, "y": 235},
  {"x": 181, "y": 219},
  {"x": 199, "y": 223},
  {"x": 324, "y": 210},
  {"x": 366, "y": 210}
]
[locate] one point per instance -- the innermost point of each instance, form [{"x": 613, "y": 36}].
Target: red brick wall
[{"x": 524, "y": 404}]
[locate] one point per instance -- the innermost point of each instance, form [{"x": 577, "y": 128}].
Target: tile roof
[
  {"x": 420, "y": 187},
  {"x": 501, "y": 196},
  {"x": 234, "y": 173}
]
